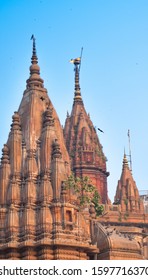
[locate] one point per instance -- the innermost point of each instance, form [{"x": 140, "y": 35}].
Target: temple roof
[
  {"x": 82, "y": 142},
  {"x": 35, "y": 108},
  {"x": 118, "y": 244},
  {"x": 127, "y": 192},
  {"x": 78, "y": 125}
]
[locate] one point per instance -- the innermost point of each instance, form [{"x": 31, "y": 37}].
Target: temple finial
[
  {"x": 34, "y": 79},
  {"x": 77, "y": 85},
  {"x": 34, "y": 46},
  {"x": 125, "y": 161},
  {"x": 34, "y": 58},
  {"x": 77, "y": 65}
]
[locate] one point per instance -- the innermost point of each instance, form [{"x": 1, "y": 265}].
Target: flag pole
[{"x": 129, "y": 142}]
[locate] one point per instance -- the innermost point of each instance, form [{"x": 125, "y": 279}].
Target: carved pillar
[
  {"x": 4, "y": 175},
  {"x": 31, "y": 164},
  {"x": 46, "y": 140},
  {"x": 28, "y": 222},
  {"x": 12, "y": 224},
  {"x": 56, "y": 163},
  {"x": 45, "y": 193},
  {"x": 44, "y": 223},
  {"x": 29, "y": 186},
  {"x": 24, "y": 155},
  {"x": 15, "y": 145},
  {"x": 28, "y": 207},
  {"x": 39, "y": 155},
  {"x": 13, "y": 194},
  {"x": 45, "y": 196}
]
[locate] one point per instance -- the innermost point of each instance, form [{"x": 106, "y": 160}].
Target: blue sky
[{"x": 114, "y": 70}]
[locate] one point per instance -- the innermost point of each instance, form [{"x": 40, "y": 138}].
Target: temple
[
  {"x": 127, "y": 216},
  {"x": 39, "y": 217},
  {"x": 83, "y": 145}
]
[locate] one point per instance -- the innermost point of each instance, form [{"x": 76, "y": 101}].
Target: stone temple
[{"x": 39, "y": 217}]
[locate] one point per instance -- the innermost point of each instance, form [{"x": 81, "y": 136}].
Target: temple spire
[
  {"x": 34, "y": 79},
  {"x": 125, "y": 161},
  {"x": 34, "y": 46},
  {"x": 77, "y": 64},
  {"x": 34, "y": 58},
  {"x": 77, "y": 85}
]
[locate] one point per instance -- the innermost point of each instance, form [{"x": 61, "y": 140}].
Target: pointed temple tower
[
  {"x": 39, "y": 219},
  {"x": 126, "y": 218},
  {"x": 83, "y": 145},
  {"x": 127, "y": 194}
]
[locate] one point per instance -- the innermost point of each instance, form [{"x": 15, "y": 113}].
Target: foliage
[
  {"x": 126, "y": 215},
  {"x": 99, "y": 208},
  {"x": 86, "y": 192},
  {"x": 126, "y": 201}
]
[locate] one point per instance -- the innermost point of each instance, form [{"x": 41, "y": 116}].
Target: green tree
[{"x": 86, "y": 192}]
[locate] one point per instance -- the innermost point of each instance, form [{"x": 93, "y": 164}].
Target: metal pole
[{"x": 130, "y": 156}]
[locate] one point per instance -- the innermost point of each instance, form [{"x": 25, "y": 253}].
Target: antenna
[{"x": 130, "y": 156}]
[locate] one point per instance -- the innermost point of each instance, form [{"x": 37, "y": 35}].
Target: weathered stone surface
[{"x": 39, "y": 221}]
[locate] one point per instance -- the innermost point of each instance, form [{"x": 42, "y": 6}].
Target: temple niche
[{"x": 41, "y": 219}]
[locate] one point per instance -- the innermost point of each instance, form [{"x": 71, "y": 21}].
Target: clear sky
[{"x": 114, "y": 70}]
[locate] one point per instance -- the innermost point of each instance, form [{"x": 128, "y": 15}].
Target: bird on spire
[{"x": 76, "y": 61}]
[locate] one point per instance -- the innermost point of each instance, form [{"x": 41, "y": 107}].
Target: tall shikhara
[
  {"x": 39, "y": 219},
  {"x": 83, "y": 145}
]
